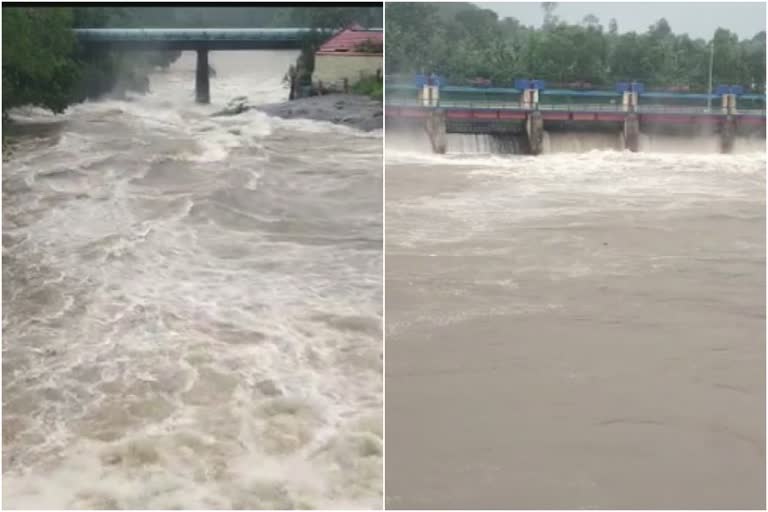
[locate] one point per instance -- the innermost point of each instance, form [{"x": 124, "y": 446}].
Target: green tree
[
  {"x": 38, "y": 68},
  {"x": 550, "y": 20},
  {"x": 590, "y": 20},
  {"x": 754, "y": 55},
  {"x": 421, "y": 42},
  {"x": 728, "y": 65},
  {"x": 613, "y": 27},
  {"x": 335, "y": 17},
  {"x": 462, "y": 41}
]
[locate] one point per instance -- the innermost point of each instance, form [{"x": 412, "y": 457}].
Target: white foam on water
[
  {"x": 33, "y": 114},
  {"x": 509, "y": 189},
  {"x": 558, "y": 142},
  {"x": 469, "y": 143},
  {"x": 196, "y": 313}
]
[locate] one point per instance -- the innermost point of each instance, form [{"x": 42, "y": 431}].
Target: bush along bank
[{"x": 371, "y": 86}]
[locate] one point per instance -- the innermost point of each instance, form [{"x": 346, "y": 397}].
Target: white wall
[{"x": 333, "y": 69}]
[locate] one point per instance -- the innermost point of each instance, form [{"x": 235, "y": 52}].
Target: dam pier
[{"x": 519, "y": 117}]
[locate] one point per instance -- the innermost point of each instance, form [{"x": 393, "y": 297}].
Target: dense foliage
[
  {"x": 372, "y": 86},
  {"x": 463, "y": 42},
  {"x": 38, "y": 67}
]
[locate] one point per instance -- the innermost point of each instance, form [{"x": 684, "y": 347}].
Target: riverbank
[
  {"x": 15, "y": 133},
  {"x": 353, "y": 110},
  {"x": 7, "y": 148}
]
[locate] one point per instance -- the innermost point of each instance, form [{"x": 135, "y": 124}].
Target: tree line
[
  {"x": 463, "y": 42},
  {"x": 44, "y": 66}
]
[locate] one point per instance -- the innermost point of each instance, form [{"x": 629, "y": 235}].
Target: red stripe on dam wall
[
  {"x": 511, "y": 115},
  {"x": 679, "y": 119},
  {"x": 556, "y": 116},
  {"x": 610, "y": 117},
  {"x": 752, "y": 120},
  {"x": 483, "y": 114},
  {"x": 459, "y": 114}
]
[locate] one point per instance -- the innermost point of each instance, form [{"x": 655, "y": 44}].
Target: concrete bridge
[
  {"x": 201, "y": 40},
  {"x": 529, "y": 117}
]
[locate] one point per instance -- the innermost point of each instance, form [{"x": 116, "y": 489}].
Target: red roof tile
[{"x": 348, "y": 40}]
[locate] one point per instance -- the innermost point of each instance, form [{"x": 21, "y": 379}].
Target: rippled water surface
[
  {"x": 192, "y": 305},
  {"x": 576, "y": 330}
]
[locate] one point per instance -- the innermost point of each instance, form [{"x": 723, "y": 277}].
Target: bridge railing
[
  {"x": 574, "y": 107},
  {"x": 181, "y": 34}
]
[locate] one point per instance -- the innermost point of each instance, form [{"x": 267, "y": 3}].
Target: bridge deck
[{"x": 192, "y": 39}]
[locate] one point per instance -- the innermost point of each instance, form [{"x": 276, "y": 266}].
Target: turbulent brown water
[
  {"x": 576, "y": 330},
  {"x": 192, "y": 304}
]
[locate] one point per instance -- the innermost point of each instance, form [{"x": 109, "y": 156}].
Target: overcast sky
[{"x": 699, "y": 19}]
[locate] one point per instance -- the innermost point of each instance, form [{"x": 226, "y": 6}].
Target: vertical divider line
[{"x": 384, "y": 258}]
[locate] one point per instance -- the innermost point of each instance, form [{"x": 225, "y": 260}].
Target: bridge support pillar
[
  {"x": 534, "y": 127},
  {"x": 729, "y": 103},
  {"x": 202, "y": 81},
  {"x": 435, "y": 126},
  {"x": 727, "y": 134},
  {"x": 632, "y": 132}
]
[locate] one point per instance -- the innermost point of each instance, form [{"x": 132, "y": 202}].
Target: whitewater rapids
[{"x": 192, "y": 304}]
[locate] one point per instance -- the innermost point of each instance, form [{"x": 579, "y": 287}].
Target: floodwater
[
  {"x": 575, "y": 330},
  {"x": 191, "y": 304}
]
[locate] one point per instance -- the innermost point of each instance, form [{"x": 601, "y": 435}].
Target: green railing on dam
[{"x": 566, "y": 96}]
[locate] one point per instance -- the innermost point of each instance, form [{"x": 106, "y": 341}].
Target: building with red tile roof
[
  {"x": 347, "y": 57},
  {"x": 350, "y": 40}
]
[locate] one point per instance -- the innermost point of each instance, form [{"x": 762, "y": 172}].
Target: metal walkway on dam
[{"x": 505, "y": 95}]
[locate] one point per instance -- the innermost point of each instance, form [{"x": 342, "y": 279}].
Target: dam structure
[{"x": 526, "y": 111}]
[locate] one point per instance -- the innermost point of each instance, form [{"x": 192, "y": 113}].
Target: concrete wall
[{"x": 333, "y": 69}]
